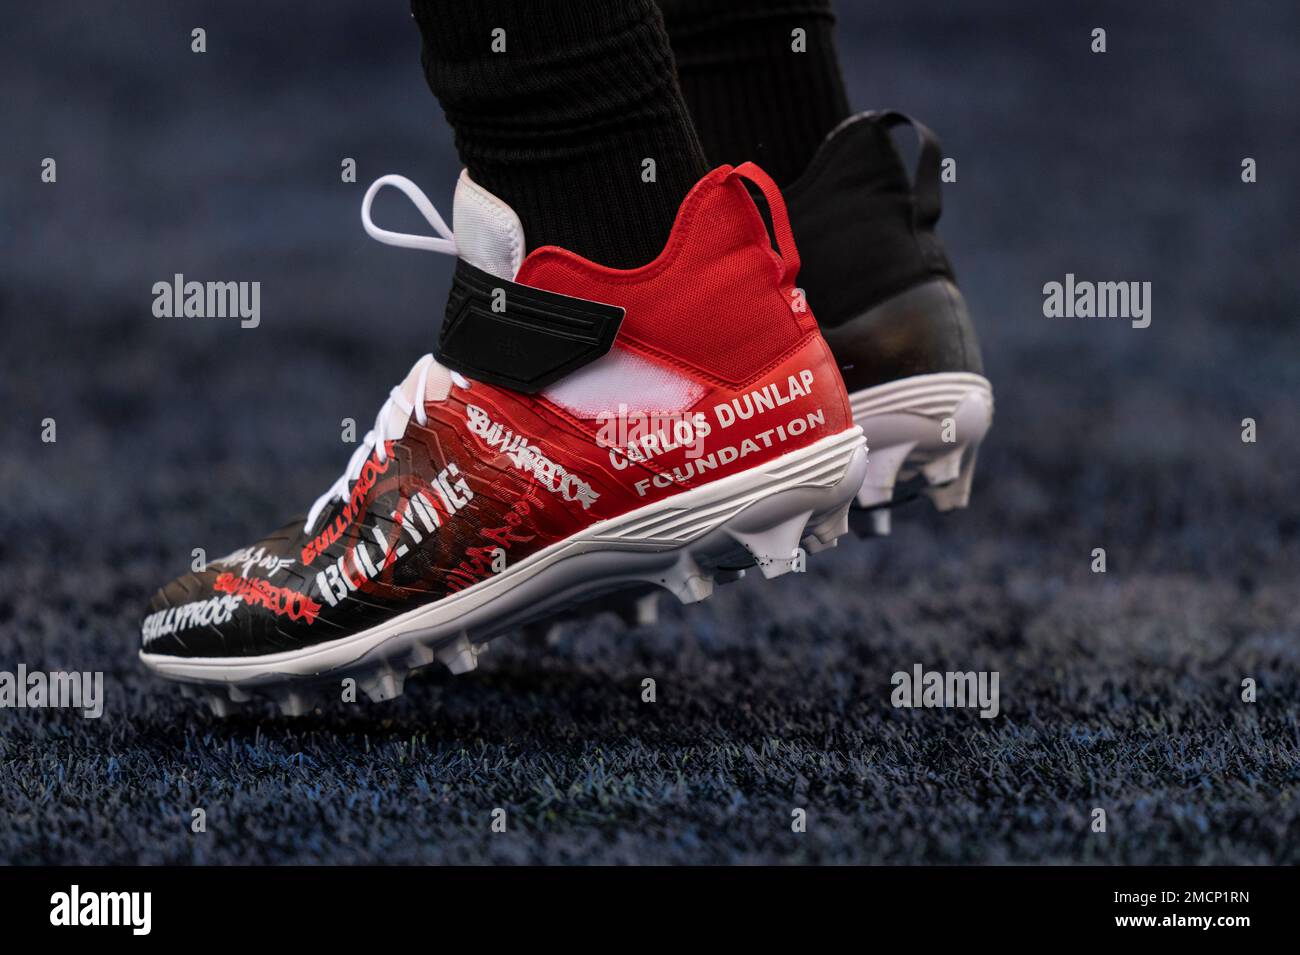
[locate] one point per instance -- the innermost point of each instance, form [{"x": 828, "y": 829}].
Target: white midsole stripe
[{"x": 660, "y": 527}]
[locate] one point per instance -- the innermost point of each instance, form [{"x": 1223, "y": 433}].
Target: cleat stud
[
  {"x": 950, "y": 477},
  {"x": 238, "y": 694},
  {"x": 642, "y": 611},
  {"x": 696, "y": 589},
  {"x": 686, "y": 580},
  {"x": 956, "y": 492},
  {"x": 815, "y": 546},
  {"x": 872, "y": 523},
  {"x": 384, "y": 685},
  {"x": 420, "y": 656},
  {"x": 870, "y": 495},
  {"x": 647, "y": 610},
  {"x": 883, "y": 466},
  {"x": 637, "y": 611},
  {"x": 944, "y": 469},
  {"x": 459, "y": 656},
  {"x": 293, "y": 704},
  {"x": 774, "y": 550},
  {"x": 218, "y": 704},
  {"x": 830, "y": 530},
  {"x": 463, "y": 662}
]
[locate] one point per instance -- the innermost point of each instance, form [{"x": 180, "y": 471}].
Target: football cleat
[
  {"x": 580, "y": 430},
  {"x": 884, "y": 293},
  {"x": 877, "y": 276}
]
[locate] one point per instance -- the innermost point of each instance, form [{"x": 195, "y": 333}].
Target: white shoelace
[{"x": 384, "y": 431}]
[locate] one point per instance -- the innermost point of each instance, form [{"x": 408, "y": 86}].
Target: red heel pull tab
[{"x": 780, "y": 218}]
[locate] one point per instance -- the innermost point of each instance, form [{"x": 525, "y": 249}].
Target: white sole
[
  {"x": 683, "y": 544},
  {"x": 926, "y": 426},
  {"x": 904, "y": 423}
]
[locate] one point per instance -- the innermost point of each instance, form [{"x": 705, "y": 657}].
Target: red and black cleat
[{"x": 582, "y": 430}]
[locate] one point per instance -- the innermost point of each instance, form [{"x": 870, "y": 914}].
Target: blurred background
[{"x": 1119, "y": 690}]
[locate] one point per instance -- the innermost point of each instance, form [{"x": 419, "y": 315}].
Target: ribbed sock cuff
[
  {"x": 560, "y": 123},
  {"x": 751, "y": 95}
]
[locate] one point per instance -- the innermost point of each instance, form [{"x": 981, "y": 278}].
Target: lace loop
[
  {"x": 406, "y": 240},
  {"x": 377, "y": 438}
]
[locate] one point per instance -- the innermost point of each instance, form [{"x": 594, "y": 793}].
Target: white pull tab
[{"x": 445, "y": 245}]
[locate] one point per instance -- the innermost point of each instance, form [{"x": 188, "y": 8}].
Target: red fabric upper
[
  {"x": 716, "y": 301},
  {"x": 719, "y": 305},
  {"x": 496, "y": 475}
]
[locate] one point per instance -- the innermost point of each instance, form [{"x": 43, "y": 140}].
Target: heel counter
[
  {"x": 868, "y": 227},
  {"x": 718, "y": 300},
  {"x": 833, "y": 393},
  {"x": 811, "y": 367},
  {"x": 924, "y": 330}
]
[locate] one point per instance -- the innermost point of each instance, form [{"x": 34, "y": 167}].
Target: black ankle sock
[
  {"x": 750, "y": 94},
  {"x": 560, "y": 124}
]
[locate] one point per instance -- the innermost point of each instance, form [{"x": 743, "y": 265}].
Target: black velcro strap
[{"x": 517, "y": 336}]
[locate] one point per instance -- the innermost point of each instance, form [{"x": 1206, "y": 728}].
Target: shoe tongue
[
  {"x": 436, "y": 388},
  {"x": 489, "y": 235}
]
